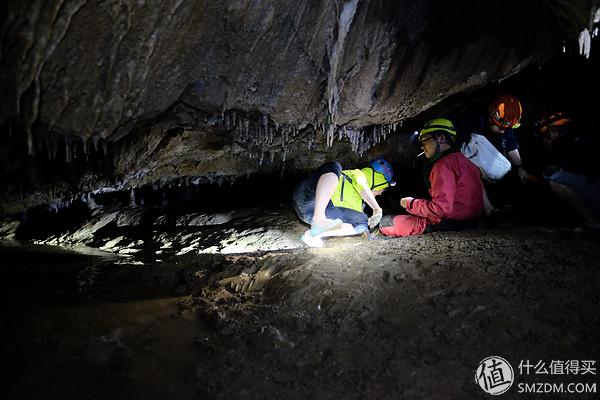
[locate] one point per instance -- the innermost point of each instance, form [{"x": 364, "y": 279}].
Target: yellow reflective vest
[{"x": 347, "y": 192}]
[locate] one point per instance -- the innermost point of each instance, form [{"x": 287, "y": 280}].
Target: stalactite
[
  {"x": 53, "y": 146},
  {"x": 30, "y": 142},
  {"x": 132, "y": 202},
  {"x": 67, "y": 150},
  {"x": 261, "y": 136},
  {"x": 95, "y": 140},
  {"x": 85, "y": 145}
]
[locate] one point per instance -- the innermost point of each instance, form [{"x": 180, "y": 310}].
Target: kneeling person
[
  {"x": 332, "y": 200},
  {"x": 454, "y": 185}
]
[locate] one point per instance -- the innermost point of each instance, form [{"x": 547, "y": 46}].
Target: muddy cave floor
[{"x": 234, "y": 306}]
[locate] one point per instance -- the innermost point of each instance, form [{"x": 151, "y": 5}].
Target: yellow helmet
[{"x": 438, "y": 124}]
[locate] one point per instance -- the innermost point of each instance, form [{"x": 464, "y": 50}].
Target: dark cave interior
[{"x": 162, "y": 258}]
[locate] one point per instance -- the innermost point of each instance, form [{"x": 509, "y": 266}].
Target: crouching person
[
  {"x": 454, "y": 184},
  {"x": 332, "y": 200},
  {"x": 571, "y": 168}
]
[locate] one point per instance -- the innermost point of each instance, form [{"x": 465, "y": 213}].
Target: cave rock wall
[{"x": 254, "y": 78}]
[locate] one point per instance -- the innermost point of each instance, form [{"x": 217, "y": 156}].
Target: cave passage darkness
[{"x": 162, "y": 258}]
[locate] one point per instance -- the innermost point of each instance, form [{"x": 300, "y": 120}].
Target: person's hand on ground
[{"x": 375, "y": 218}]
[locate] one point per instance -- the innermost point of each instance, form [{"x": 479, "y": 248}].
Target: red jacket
[{"x": 456, "y": 191}]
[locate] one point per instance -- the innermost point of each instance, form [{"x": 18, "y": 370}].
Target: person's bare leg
[
  {"x": 325, "y": 187},
  {"x": 574, "y": 202}
]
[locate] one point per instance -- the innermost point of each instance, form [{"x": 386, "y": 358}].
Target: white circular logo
[{"x": 494, "y": 375}]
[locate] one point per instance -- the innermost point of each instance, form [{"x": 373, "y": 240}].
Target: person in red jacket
[{"x": 454, "y": 186}]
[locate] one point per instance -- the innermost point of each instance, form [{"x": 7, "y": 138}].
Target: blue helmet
[{"x": 382, "y": 166}]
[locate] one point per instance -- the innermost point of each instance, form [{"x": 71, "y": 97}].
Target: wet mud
[{"x": 403, "y": 318}]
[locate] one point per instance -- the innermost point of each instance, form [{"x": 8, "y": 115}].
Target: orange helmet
[
  {"x": 505, "y": 111},
  {"x": 549, "y": 120}
]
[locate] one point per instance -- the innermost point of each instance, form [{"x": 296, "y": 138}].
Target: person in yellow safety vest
[{"x": 332, "y": 200}]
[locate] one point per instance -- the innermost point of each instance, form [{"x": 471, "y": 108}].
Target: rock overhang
[{"x": 212, "y": 90}]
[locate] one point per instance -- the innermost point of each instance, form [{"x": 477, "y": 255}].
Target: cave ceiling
[{"x": 125, "y": 93}]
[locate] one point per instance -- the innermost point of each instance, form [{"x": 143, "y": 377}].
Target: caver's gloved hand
[
  {"x": 405, "y": 201},
  {"x": 375, "y": 218},
  {"x": 523, "y": 174}
]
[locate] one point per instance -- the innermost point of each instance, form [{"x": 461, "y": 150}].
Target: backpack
[{"x": 481, "y": 152}]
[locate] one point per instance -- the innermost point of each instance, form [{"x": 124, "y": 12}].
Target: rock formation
[{"x": 124, "y": 93}]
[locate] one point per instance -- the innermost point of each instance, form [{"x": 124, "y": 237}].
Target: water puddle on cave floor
[{"x": 75, "y": 325}]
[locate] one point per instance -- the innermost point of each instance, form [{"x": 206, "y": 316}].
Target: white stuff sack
[{"x": 482, "y": 153}]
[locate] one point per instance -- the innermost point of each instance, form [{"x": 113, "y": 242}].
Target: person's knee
[
  {"x": 560, "y": 189},
  {"x": 404, "y": 225},
  {"x": 387, "y": 221},
  {"x": 555, "y": 186}
]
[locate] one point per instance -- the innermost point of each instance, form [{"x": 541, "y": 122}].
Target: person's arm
[
  {"x": 515, "y": 159},
  {"x": 443, "y": 190},
  {"x": 365, "y": 192},
  {"x": 513, "y": 155},
  {"x": 369, "y": 198},
  {"x": 367, "y": 195}
]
